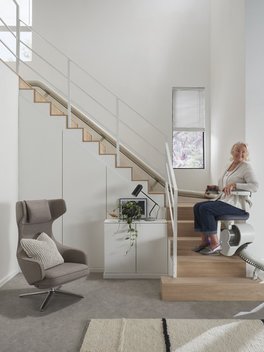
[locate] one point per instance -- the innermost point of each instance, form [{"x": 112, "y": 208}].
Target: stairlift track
[
  {"x": 248, "y": 258},
  {"x": 236, "y": 240}
]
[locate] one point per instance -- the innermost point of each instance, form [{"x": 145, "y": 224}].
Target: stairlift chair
[{"x": 235, "y": 235}]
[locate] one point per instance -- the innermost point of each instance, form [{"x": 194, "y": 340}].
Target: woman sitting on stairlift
[{"x": 238, "y": 176}]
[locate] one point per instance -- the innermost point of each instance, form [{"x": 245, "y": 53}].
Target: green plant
[{"x": 130, "y": 212}]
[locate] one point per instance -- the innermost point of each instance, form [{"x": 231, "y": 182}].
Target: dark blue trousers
[{"x": 206, "y": 214}]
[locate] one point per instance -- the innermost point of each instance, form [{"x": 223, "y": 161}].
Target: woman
[{"x": 238, "y": 176}]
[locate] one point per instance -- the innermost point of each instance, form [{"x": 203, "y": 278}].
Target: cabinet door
[
  {"x": 152, "y": 248},
  {"x": 116, "y": 246}
]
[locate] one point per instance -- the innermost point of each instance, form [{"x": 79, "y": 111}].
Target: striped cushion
[{"x": 43, "y": 249}]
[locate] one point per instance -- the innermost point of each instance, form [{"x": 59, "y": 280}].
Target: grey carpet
[{"x": 62, "y": 326}]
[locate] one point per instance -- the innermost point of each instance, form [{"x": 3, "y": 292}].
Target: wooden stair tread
[
  {"x": 185, "y": 221},
  {"x": 185, "y": 205},
  {"x": 56, "y": 111},
  {"x": 193, "y": 239},
  {"x": 191, "y": 200},
  {"x": 198, "y": 265},
  {"x": 211, "y": 289},
  {"x": 183, "y": 238},
  {"x": 199, "y": 258},
  {"x": 209, "y": 280},
  {"x": 23, "y": 84}
]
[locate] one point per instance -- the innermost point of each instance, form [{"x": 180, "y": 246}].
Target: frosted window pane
[
  {"x": 10, "y": 41},
  {"x": 188, "y": 150},
  {"x": 8, "y": 11}
]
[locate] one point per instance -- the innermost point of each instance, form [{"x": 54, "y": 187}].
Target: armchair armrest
[
  {"x": 32, "y": 269},
  {"x": 73, "y": 255}
]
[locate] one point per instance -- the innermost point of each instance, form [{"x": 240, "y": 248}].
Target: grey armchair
[{"x": 33, "y": 218}]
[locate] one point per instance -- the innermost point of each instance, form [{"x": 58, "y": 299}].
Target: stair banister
[
  {"x": 120, "y": 101},
  {"x": 172, "y": 196},
  {"x": 69, "y": 90},
  {"x": 97, "y": 81},
  {"x": 17, "y": 36},
  {"x": 116, "y": 114},
  {"x": 117, "y": 133},
  {"x": 35, "y": 53},
  {"x": 153, "y": 173}
]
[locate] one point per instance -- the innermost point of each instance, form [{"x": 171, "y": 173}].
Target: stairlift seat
[
  {"x": 235, "y": 233},
  {"x": 233, "y": 217}
]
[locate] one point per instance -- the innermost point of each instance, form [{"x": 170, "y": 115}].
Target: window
[
  {"x": 188, "y": 128},
  {"x": 8, "y": 17}
]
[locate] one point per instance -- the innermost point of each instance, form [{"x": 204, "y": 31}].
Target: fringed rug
[{"x": 169, "y": 335}]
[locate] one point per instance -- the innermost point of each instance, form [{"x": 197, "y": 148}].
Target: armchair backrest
[{"x": 36, "y": 216}]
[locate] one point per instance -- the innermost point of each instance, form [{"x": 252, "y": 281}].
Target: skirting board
[
  {"x": 8, "y": 277},
  {"x": 131, "y": 276}
]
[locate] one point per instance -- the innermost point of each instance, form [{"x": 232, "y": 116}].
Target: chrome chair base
[{"x": 49, "y": 295}]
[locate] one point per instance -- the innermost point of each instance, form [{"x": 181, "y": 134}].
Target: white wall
[
  {"x": 40, "y": 153},
  {"x": 140, "y": 49},
  {"x": 54, "y": 162},
  {"x": 9, "y": 172},
  {"x": 255, "y": 109},
  {"x": 227, "y": 81}
]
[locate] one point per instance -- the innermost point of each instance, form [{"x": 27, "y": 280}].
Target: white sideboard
[{"x": 146, "y": 259}]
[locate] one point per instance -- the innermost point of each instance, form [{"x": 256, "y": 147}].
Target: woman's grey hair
[{"x": 238, "y": 145}]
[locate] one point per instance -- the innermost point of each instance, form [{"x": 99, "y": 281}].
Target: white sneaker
[{"x": 210, "y": 251}]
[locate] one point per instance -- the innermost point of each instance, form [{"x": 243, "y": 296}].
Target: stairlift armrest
[
  {"x": 241, "y": 193},
  {"x": 31, "y": 269},
  {"x": 73, "y": 255}
]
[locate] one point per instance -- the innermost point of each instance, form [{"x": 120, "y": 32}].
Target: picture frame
[{"x": 142, "y": 202}]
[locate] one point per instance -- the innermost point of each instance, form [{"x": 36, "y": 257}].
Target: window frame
[
  {"x": 190, "y": 129},
  {"x": 23, "y": 28}
]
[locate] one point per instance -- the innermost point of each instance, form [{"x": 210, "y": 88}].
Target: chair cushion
[
  {"x": 38, "y": 211},
  {"x": 61, "y": 274},
  {"x": 42, "y": 249}
]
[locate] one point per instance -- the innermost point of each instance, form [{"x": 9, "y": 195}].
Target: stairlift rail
[{"x": 248, "y": 258}]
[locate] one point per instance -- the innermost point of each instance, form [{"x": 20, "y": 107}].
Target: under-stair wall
[
  {"x": 55, "y": 162},
  {"x": 9, "y": 173}
]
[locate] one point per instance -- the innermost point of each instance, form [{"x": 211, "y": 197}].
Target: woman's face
[{"x": 239, "y": 153}]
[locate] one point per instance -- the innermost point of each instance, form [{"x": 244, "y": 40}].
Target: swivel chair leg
[
  {"x": 49, "y": 294},
  {"x": 47, "y": 299},
  {"x": 33, "y": 293}
]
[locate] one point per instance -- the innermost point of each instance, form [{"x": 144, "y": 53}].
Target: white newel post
[
  {"x": 117, "y": 133},
  {"x": 69, "y": 91}
]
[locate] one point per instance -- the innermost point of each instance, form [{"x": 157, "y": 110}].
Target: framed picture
[{"x": 142, "y": 202}]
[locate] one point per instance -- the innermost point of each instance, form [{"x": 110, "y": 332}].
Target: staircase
[
  {"x": 90, "y": 133},
  {"x": 94, "y": 133},
  {"x": 202, "y": 277}
]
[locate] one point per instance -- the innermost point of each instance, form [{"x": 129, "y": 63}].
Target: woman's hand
[{"x": 229, "y": 188}]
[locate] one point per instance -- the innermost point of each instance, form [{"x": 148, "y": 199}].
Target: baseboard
[
  {"x": 96, "y": 270},
  {"x": 8, "y": 277}
]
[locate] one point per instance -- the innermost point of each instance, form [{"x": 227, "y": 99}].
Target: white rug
[{"x": 182, "y": 335}]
